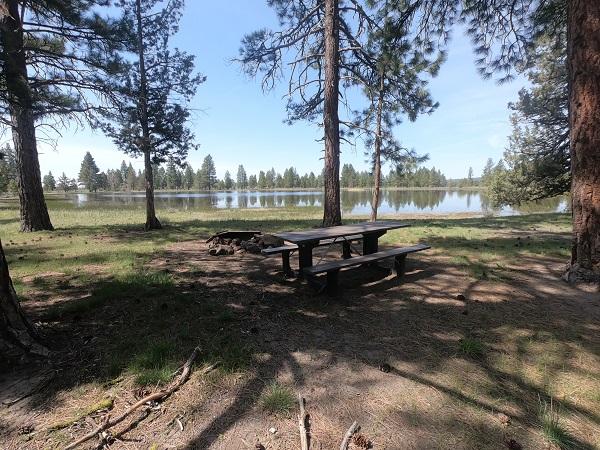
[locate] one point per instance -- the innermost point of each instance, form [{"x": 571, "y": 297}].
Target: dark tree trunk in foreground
[
  {"x": 331, "y": 123},
  {"x": 377, "y": 157},
  {"x": 152, "y": 222},
  {"x": 584, "y": 118},
  {"x": 18, "y": 337},
  {"x": 34, "y": 213}
]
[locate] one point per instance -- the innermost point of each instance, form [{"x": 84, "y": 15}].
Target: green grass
[
  {"x": 277, "y": 399},
  {"x": 551, "y": 427},
  {"x": 113, "y": 238},
  {"x": 150, "y": 320},
  {"x": 154, "y": 365},
  {"x": 471, "y": 347}
]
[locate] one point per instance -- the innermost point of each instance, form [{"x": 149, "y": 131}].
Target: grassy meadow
[{"x": 134, "y": 304}]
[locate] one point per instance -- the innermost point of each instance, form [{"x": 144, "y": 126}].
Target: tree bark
[
  {"x": 18, "y": 337},
  {"x": 331, "y": 206},
  {"x": 377, "y": 156},
  {"x": 152, "y": 222},
  {"x": 34, "y": 212},
  {"x": 584, "y": 120}
]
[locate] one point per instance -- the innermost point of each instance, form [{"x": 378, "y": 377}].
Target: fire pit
[{"x": 235, "y": 242}]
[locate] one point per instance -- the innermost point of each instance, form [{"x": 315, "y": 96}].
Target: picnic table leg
[
  {"x": 332, "y": 282},
  {"x": 371, "y": 243},
  {"x": 285, "y": 259},
  {"x": 399, "y": 265},
  {"x": 346, "y": 254},
  {"x": 304, "y": 257}
]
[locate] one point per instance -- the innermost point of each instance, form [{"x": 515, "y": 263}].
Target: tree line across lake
[{"x": 172, "y": 177}]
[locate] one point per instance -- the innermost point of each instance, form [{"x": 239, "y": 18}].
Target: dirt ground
[{"x": 414, "y": 363}]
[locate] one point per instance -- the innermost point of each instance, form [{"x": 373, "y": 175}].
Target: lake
[{"x": 354, "y": 202}]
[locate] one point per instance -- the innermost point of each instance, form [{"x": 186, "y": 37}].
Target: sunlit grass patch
[
  {"x": 277, "y": 399},
  {"x": 551, "y": 427}
]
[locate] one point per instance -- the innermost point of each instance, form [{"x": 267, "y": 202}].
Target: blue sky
[{"x": 237, "y": 123}]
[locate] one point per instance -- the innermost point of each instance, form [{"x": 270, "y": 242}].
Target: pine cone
[{"x": 361, "y": 441}]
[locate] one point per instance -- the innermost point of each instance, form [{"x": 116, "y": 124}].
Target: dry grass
[{"x": 457, "y": 367}]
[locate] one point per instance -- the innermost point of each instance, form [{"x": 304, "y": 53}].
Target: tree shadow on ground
[{"x": 246, "y": 316}]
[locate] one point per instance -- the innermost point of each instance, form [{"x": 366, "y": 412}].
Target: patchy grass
[
  {"x": 471, "y": 347},
  {"x": 155, "y": 364},
  {"x": 277, "y": 399},
  {"x": 552, "y": 428},
  {"x": 107, "y": 293}
]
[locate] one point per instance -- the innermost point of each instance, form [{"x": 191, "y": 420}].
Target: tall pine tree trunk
[
  {"x": 34, "y": 213},
  {"x": 377, "y": 156},
  {"x": 152, "y": 222},
  {"x": 18, "y": 337},
  {"x": 584, "y": 120},
  {"x": 331, "y": 122}
]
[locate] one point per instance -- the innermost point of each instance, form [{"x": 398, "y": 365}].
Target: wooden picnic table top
[{"x": 317, "y": 234}]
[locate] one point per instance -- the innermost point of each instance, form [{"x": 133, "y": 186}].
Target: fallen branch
[
  {"x": 348, "y": 436},
  {"x": 302, "y": 425},
  {"x": 160, "y": 395}
]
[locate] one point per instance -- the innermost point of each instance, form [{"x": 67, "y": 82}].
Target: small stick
[
  {"x": 349, "y": 435},
  {"x": 302, "y": 425},
  {"x": 107, "y": 423}
]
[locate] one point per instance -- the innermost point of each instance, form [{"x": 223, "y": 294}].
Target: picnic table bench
[
  {"x": 286, "y": 250},
  {"x": 332, "y": 268},
  {"x": 369, "y": 232}
]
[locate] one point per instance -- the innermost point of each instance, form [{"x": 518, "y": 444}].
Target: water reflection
[{"x": 352, "y": 202}]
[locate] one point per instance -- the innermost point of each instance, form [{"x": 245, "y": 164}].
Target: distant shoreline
[{"x": 299, "y": 189}]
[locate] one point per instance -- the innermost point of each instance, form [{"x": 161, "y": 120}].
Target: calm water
[{"x": 353, "y": 202}]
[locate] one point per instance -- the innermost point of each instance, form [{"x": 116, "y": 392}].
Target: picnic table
[{"x": 309, "y": 239}]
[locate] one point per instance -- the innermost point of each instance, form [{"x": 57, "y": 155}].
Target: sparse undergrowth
[
  {"x": 552, "y": 428},
  {"x": 471, "y": 347},
  {"x": 132, "y": 310},
  {"x": 278, "y": 399}
]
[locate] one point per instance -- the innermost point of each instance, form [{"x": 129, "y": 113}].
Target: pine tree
[
  {"x": 208, "y": 174},
  {"x": 102, "y": 181},
  {"x": 538, "y": 159},
  {"x": 394, "y": 83},
  {"x": 130, "y": 179},
  {"x": 262, "y": 180},
  {"x": 153, "y": 117},
  {"x": 252, "y": 182},
  {"x": 88, "y": 173},
  {"x": 56, "y": 58},
  {"x": 322, "y": 43},
  {"x": 227, "y": 181},
  {"x": 503, "y": 31},
  {"x": 488, "y": 170},
  {"x": 270, "y": 178},
  {"x": 65, "y": 183},
  {"x": 18, "y": 336},
  {"x": 124, "y": 172},
  {"x": 8, "y": 169},
  {"x": 188, "y": 177},
  {"x": 49, "y": 182},
  {"x": 242, "y": 178},
  {"x": 171, "y": 175}
]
